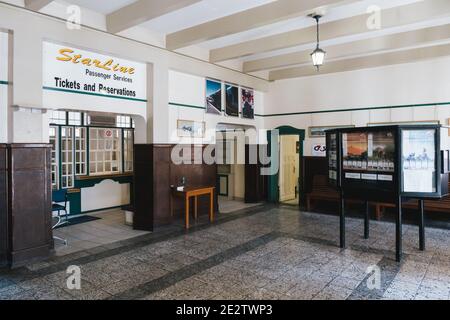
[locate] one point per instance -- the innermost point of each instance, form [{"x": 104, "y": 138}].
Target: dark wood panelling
[
  {"x": 196, "y": 174},
  {"x": 29, "y": 203},
  {"x": 161, "y": 184},
  {"x": 154, "y": 173},
  {"x": 3, "y": 207},
  {"x": 312, "y": 166},
  {"x": 255, "y": 183},
  {"x": 143, "y": 187}
]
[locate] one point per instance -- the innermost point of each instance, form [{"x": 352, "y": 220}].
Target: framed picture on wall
[
  {"x": 319, "y": 131},
  {"x": 248, "y": 103},
  {"x": 213, "y": 98},
  {"x": 231, "y": 100},
  {"x": 189, "y": 128}
]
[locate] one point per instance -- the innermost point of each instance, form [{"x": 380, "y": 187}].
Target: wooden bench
[
  {"x": 321, "y": 190},
  {"x": 440, "y": 205}
]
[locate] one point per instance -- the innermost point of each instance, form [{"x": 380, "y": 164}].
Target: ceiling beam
[
  {"x": 142, "y": 11},
  {"x": 367, "y": 46},
  {"x": 373, "y": 61},
  {"x": 393, "y": 17},
  {"x": 36, "y": 5},
  {"x": 246, "y": 20}
]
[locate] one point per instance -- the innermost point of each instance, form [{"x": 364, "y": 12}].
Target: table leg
[
  {"x": 195, "y": 209},
  {"x": 187, "y": 212},
  {"x": 171, "y": 205},
  {"x": 211, "y": 206}
]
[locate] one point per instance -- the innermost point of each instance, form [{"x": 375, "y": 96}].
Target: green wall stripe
[
  {"x": 92, "y": 94},
  {"x": 355, "y": 109},
  {"x": 186, "y": 105},
  {"x": 198, "y": 107},
  {"x": 326, "y": 111},
  {"x": 4, "y": 82}
]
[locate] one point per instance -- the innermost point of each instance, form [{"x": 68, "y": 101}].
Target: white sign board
[
  {"x": 74, "y": 71},
  {"x": 319, "y": 150}
]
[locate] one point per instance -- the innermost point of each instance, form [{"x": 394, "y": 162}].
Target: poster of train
[
  {"x": 213, "y": 97},
  {"x": 231, "y": 100}
]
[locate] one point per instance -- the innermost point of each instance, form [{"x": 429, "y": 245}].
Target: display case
[{"x": 375, "y": 163}]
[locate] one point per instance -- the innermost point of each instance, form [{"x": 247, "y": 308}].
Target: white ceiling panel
[
  {"x": 198, "y": 13},
  {"x": 102, "y": 6}
]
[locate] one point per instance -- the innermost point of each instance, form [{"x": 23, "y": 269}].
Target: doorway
[
  {"x": 289, "y": 177},
  {"x": 232, "y": 169},
  {"x": 274, "y": 180}
]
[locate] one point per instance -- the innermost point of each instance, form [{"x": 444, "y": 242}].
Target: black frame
[
  {"x": 437, "y": 160},
  {"x": 334, "y": 182}
]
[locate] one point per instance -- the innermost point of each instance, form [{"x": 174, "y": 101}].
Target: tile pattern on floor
[
  {"x": 259, "y": 253},
  {"x": 109, "y": 228}
]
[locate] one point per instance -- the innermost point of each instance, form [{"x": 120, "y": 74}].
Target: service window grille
[
  {"x": 105, "y": 154},
  {"x": 67, "y": 170},
  {"x": 80, "y": 151},
  {"x": 128, "y": 142},
  {"x": 53, "y": 136},
  {"x": 58, "y": 117},
  {"x": 75, "y": 118}
]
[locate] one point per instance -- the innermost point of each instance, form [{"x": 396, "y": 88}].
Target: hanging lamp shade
[{"x": 318, "y": 55}]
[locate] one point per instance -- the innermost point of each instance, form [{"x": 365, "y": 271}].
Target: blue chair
[{"x": 60, "y": 196}]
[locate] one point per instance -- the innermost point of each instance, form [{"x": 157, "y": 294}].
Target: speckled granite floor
[{"x": 264, "y": 252}]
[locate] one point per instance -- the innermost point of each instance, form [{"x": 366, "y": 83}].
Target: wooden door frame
[{"x": 273, "y": 190}]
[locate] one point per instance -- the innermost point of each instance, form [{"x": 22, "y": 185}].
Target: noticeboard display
[
  {"x": 388, "y": 161},
  {"x": 368, "y": 155}
]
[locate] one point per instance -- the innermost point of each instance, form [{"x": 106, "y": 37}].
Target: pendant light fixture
[{"x": 318, "y": 55}]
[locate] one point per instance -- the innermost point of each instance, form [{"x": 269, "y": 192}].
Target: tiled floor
[
  {"x": 226, "y": 205},
  {"x": 109, "y": 228},
  {"x": 259, "y": 253}
]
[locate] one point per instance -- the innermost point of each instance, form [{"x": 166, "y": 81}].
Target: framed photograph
[
  {"x": 213, "y": 97},
  {"x": 189, "y": 128},
  {"x": 319, "y": 131},
  {"x": 248, "y": 103},
  {"x": 231, "y": 100}
]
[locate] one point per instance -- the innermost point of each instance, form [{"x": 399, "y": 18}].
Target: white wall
[
  {"x": 190, "y": 90},
  {"x": 106, "y": 194},
  {"x": 28, "y": 74},
  {"x": 3, "y": 87},
  {"x": 426, "y": 82}
]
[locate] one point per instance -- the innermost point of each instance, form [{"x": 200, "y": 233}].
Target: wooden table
[{"x": 189, "y": 192}]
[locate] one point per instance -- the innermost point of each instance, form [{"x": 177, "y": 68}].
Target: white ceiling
[
  {"x": 203, "y": 11},
  {"x": 102, "y": 6},
  {"x": 210, "y": 10}
]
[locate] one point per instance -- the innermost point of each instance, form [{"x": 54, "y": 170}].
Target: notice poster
[
  {"x": 381, "y": 151},
  {"x": 248, "y": 103},
  {"x": 213, "y": 97},
  {"x": 232, "y": 100},
  {"x": 418, "y": 161},
  {"x": 369, "y": 153},
  {"x": 355, "y": 148}
]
